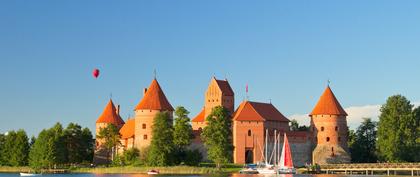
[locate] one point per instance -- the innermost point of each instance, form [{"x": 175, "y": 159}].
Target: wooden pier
[{"x": 373, "y": 168}]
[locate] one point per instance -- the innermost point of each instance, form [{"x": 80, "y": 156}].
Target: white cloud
[{"x": 355, "y": 114}]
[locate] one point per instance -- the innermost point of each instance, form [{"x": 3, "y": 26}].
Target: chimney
[
  {"x": 144, "y": 91},
  {"x": 118, "y": 110}
]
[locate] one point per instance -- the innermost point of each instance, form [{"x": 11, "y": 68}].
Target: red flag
[{"x": 246, "y": 88}]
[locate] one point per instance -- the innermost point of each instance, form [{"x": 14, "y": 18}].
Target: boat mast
[{"x": 265, "y": 149}]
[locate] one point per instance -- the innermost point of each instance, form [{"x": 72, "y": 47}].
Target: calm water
[{"x": 144, "y": 175}]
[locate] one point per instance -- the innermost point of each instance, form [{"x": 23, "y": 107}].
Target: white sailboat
[
  {"x": 285, "y": 165},
  {"x": 266, "y": 167}
]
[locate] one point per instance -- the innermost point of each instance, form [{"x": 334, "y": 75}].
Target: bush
[
  {"x": 193, "y": 157},
  {"x": 130, "y": 156}
]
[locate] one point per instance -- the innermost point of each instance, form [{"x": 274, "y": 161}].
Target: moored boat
[
  {"x": 285, "y": 165},
  {"x": 153, "y": 172},
  {"x": 30, "y": 174}
]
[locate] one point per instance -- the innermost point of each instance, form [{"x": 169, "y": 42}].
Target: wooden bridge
[{"x": 373, "y": 168}]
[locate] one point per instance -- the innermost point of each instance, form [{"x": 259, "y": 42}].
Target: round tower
[
  {"x": 110, "y": 115},
  {"x": 329, "y": 130},
  {"x": 154, "y": 101}
]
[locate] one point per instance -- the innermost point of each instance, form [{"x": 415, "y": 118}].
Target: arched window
[
  {"x": 328, "y": 139},
  {"x": 336, "y": 128},
  {"x": 322, "y": 128},
  {"x": 145, "y": 137},
  {"x": 249, "y": 132},
  {"x": 144, "y": 126}
]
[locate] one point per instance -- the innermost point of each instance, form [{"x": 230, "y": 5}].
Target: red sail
[{"x": 288, "y": 162}]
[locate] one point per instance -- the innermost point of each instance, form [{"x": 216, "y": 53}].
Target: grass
[
  {"x": 205, "y": 168},
  {"x": 14, "y": 169},
  {"x": 162, "y": 170}
]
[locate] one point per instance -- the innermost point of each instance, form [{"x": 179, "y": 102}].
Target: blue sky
[{"x": 285, "y": 50}]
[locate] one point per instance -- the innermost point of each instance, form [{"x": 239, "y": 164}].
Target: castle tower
[
  {"x": 219, "y": 93},
  {"x": 110, "y": 115},
  {"x": 154, "y": 101},
  {"x": 329, "y": 130}
]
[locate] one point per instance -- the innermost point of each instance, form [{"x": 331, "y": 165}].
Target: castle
[{"x": 325, "y": 142}]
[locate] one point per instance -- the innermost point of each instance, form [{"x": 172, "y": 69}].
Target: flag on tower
[{"x": 246, "y": 88}]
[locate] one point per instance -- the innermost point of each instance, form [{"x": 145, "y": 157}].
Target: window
[
  {"x": 145, "y": 137},
  {"x": 328, "y": 139},
  {"x": 144, "y": 126},
  {"x": 339, "y": 139},
  {"x": 322, "y": 128},
  {"x": 200, "y": 129},
  {"x": 336, "y": 128},
  {"x": 249, "y": 132}
]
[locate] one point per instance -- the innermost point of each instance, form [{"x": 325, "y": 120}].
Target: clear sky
[{"x": 285, "y": 50}]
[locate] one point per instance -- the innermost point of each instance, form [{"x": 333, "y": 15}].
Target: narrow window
[
  {"x": 328, "y": 139},
  {"x": 339, "y": 139},
  {"x": 144, "y": 126},
  {"x": 249, "y": 132},
  {"x": 336, "y": 128},
  {"x": 145, "y": 137},
  {"x": 322, "y": 128}
]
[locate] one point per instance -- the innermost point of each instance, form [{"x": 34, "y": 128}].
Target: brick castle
[{"x": 324, "y": 143}]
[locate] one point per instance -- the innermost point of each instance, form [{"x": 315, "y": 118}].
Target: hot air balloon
[{"x": 95, "y": 73}]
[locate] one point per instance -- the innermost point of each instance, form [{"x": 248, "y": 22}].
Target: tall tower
[
  {"x": 154, "y": 101},
  {"x": 219, "y": 93},
  {"x": 329, "y": 130},
  {"x": 110, "y": 115}
]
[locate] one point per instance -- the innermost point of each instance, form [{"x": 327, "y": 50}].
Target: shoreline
[{"x": 178, "y": 170}]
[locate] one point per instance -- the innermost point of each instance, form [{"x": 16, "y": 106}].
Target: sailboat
[
  {"x": 285, "y": 165},
  {"x": 266, "y": 167}
]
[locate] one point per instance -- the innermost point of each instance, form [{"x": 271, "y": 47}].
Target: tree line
[
  {"x": 54, "y": 147},
  {"x": 395, "y": 138},
  {"x": 170, "y": 144}
]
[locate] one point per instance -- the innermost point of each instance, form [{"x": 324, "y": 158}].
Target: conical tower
[
  {"x": 153, "y": 102},
  {"x": 329, "y": 130},
  {"x": 110, "y": 115}
]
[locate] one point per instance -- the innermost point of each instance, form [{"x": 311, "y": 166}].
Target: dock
[{"x": 373, "y": 168}]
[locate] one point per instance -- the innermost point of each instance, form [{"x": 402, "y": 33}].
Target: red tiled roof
[
  {"x": 253, "y": 111},
  {"x": 225, "y": 87},
  {"x": 328, "y": 105},
  {"x": 200, "y": 117},
  {"x": 127, "y": 131},
  {"x": 109, "y": 115},
  {"x": 155, "y": 99}
]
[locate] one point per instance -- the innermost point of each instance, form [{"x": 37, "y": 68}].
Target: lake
[{"x": 145, "y": 175}]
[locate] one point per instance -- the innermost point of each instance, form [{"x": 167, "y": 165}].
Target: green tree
[
  {"x": 111, "y": 136},
  {"x": 397, "y": 131},
  {"x": 15, "y": 149},
  {"x": 183, "y": 134},
  {"x": 416, "y": 140},
  {"x": 59, "y": 144},
  {"x": 87, "y": 145},
  {"x": 294, "y": 126},
  {"x": 2, "y": 141},
  {"x": 73, "y": 139},
  {"x": 162, "y": 147},
  {"x": 217, "y": 136},
  {"x": 182, "y": 128},
  {"x": 42, "y": 151},
  {"x": 363, "y": 149},
  {"x": 49, "y": 149}
]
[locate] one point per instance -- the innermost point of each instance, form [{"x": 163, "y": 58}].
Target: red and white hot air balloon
[{"x": 95, "y": 73}]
